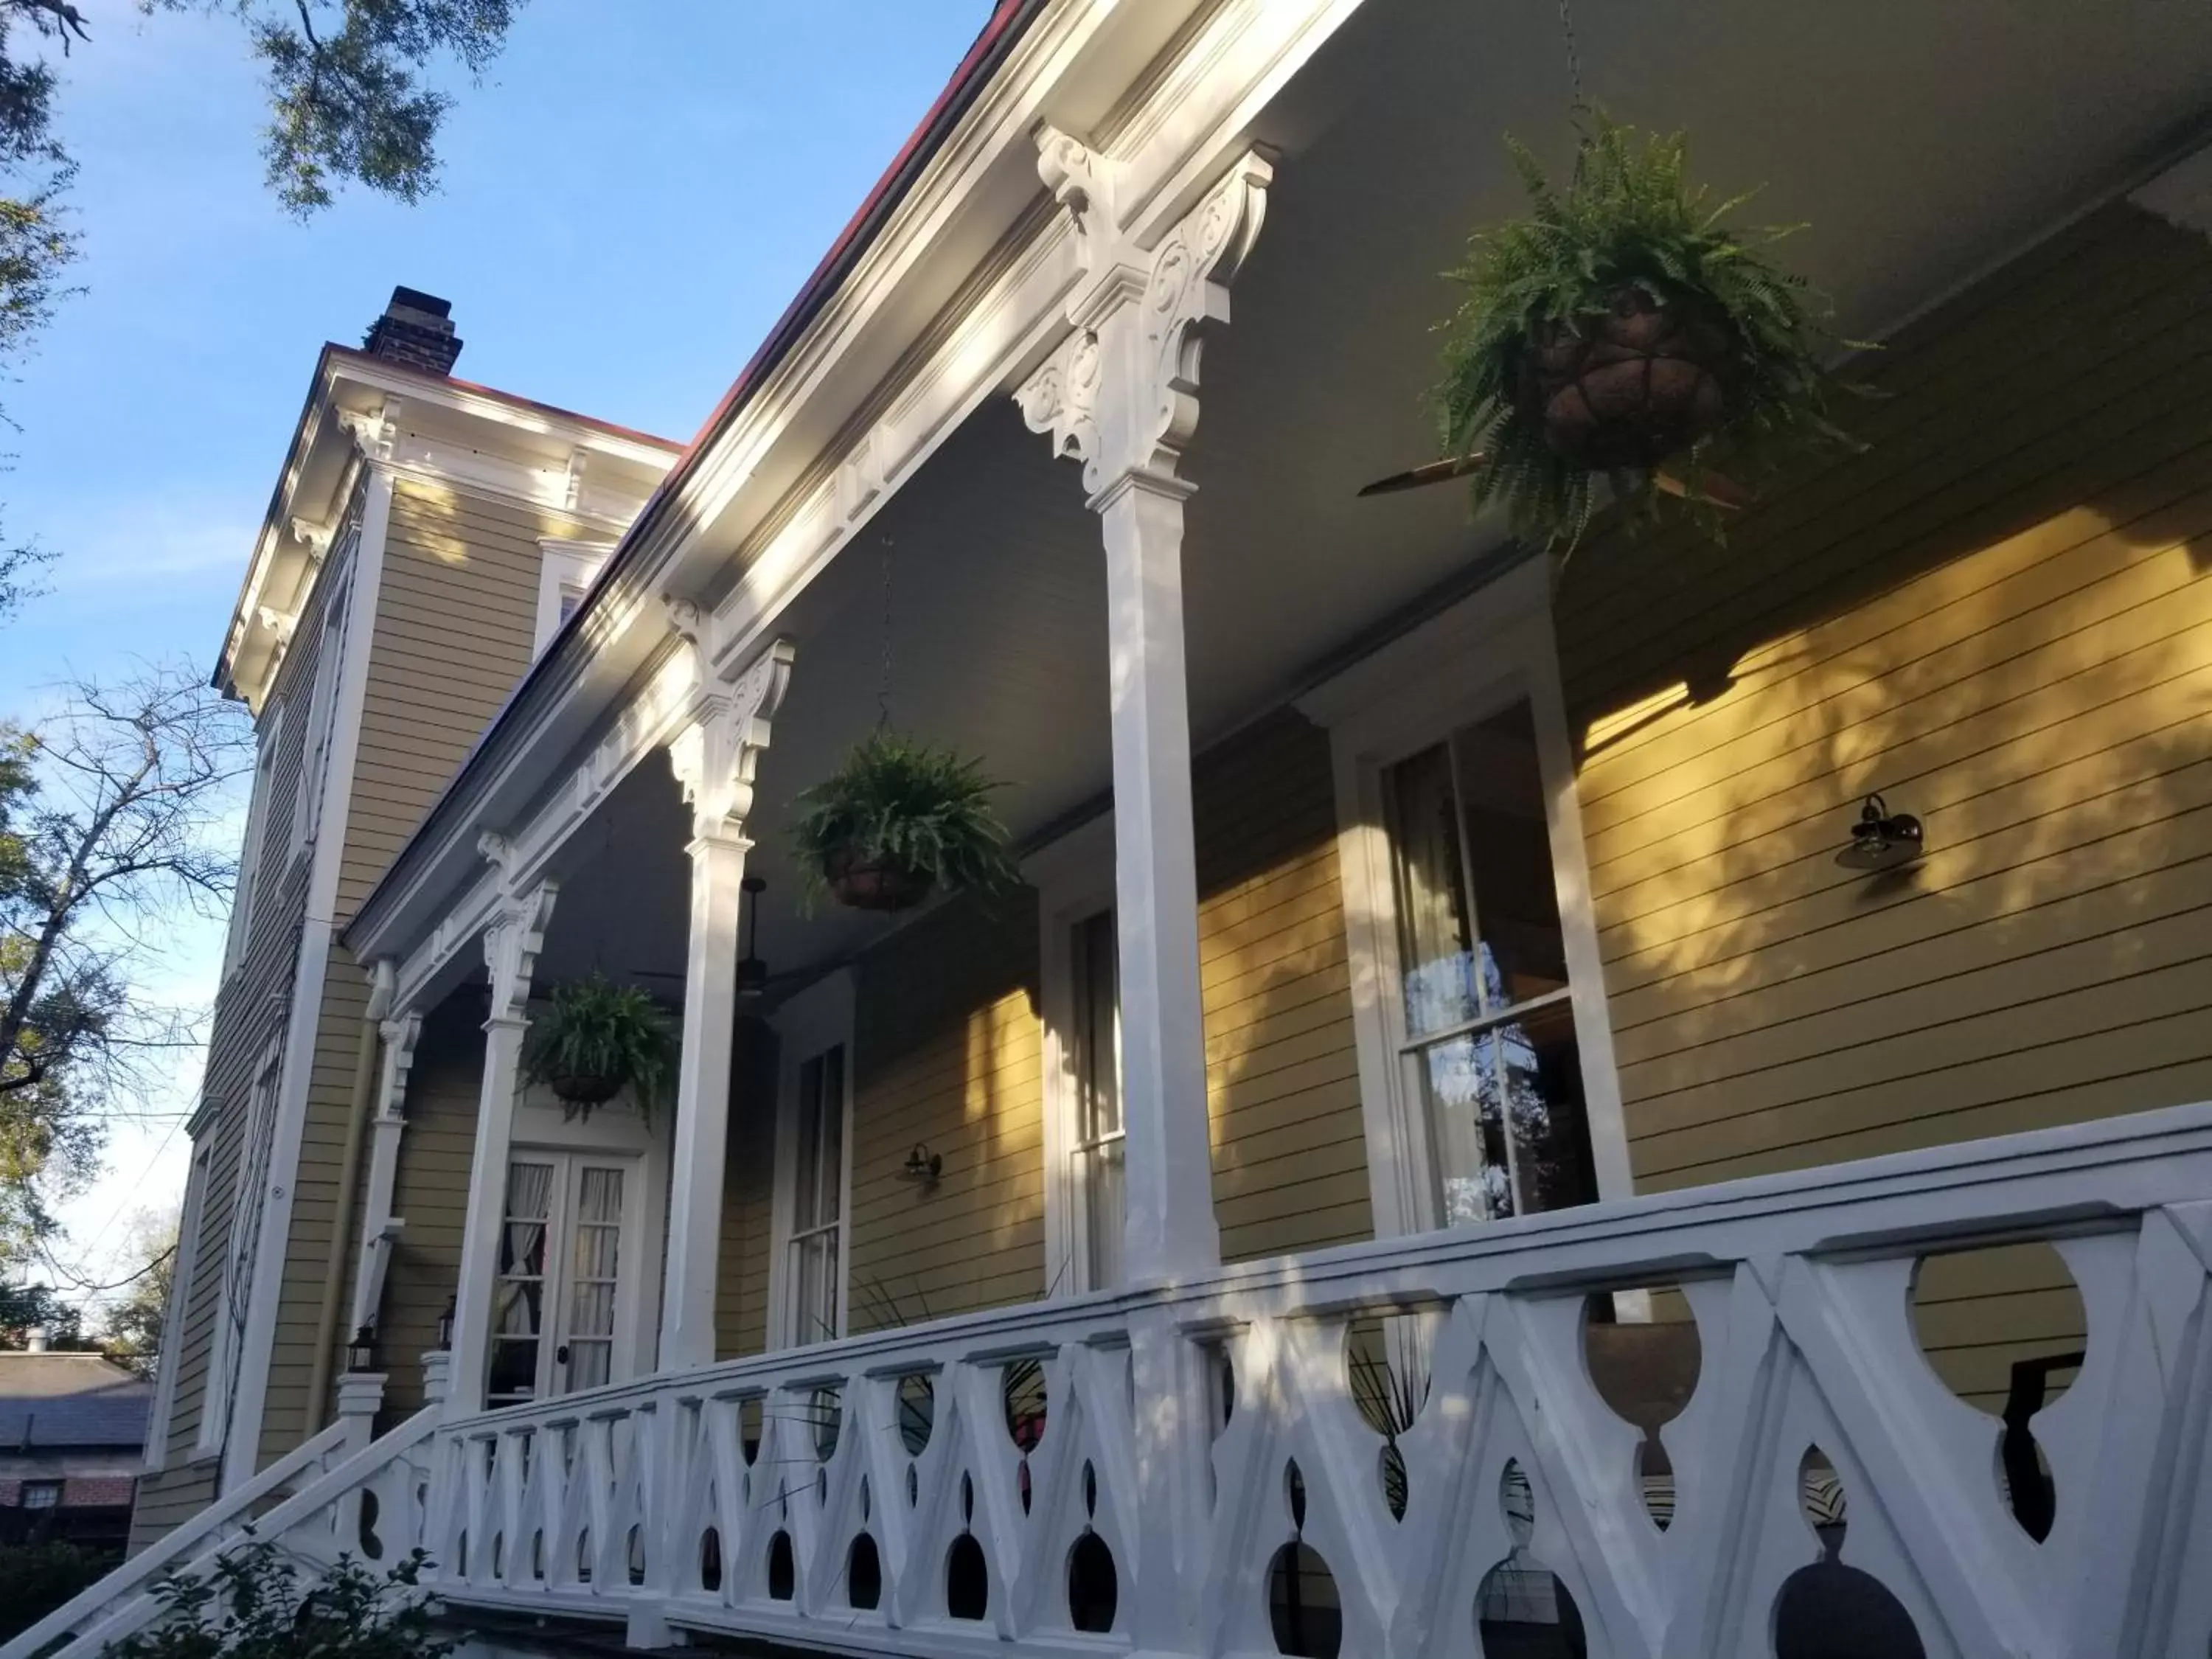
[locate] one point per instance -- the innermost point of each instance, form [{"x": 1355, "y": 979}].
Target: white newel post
[
  {"x": 714, "y": 757},
  {"x": 1119, "y": 394},
  {"x": 511, "y": 943}
]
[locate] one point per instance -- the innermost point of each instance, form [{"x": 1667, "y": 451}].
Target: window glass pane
[
  {"x": 572, "y": 596},
  {"x": 830, "y": 1168},
  {"x": 518, "y": 1316},
  {"x": 1479, "y": 939},
  {"x": 1508, "y": 849},
  {"x": 1097, "y": 1028},
  {"x": 1094, "y": 953},
  {"x": 42, "y": 1494},
  {"x": 807, "y": 1181},
  {"x": 1435, "y": 953}
]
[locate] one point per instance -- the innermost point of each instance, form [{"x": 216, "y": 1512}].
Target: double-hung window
[
  {"x": 807, "y": 1293},
  {"x": 1487, "y": 1046},
  {"x": 1486, "y": 1073}
]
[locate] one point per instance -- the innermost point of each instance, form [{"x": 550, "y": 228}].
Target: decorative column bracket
[
  {"x": 715, "y": 754},
  {"x": 1142, "y": 301}
]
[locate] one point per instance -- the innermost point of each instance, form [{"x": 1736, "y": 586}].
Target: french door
[{"x": 563, "y": 1269}]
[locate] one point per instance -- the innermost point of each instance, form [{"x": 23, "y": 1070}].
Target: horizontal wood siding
[
  {"x": 455, "y": 617},
  {"x": 947, "y": 1050},
  {"x": 1282, "y": 1074},
  {"x": 456, "y": 613},
  {"x": 950, "y": 1053},
  {"x": 1999, "y": 615}
]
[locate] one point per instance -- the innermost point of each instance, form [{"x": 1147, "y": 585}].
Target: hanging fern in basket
[
  {"x": 596, "y": 1039},
  {"x": 1621, "y": 325},
  {"x": 899, "y": 819}
]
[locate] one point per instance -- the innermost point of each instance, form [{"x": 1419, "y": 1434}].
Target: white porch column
[
  {"x": 511, "y": 943},
  {"x": 1119, "y": 393},
  {"x": 714, "y": 757}
]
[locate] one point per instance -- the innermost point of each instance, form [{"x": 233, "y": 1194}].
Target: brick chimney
[{"x": 416, "y": 329}]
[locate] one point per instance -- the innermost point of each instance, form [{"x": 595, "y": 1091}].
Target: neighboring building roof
[{"x": 51, "y": 1401}]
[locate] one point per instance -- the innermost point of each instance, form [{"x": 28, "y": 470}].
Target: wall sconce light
[
  {"x": 923, "y": 1166},
  {"x": 361, "y": 1352},
  {"x": 1881, "y": 839},
  {"x": 446, "y": 1325},
  {"x": 752, "y": 972}
]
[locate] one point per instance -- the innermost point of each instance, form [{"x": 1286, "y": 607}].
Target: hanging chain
[
  {"x": 1574, "y": 58},
  {"x": 884, "y": 685}
]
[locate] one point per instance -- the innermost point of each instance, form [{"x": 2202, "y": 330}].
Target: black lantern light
[
  {"x": 361, "y": 1352},
  {"x": 1881, "y": 839},
  {"x": 446, "y": 1326},
  {"x": 923, "y": 1166},
  {"x": 752, "y": 972}
]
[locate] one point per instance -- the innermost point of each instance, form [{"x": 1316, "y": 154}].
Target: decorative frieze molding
[
  {"x": 1119, "y": 392},
  {"x": 714, "y": 756}
]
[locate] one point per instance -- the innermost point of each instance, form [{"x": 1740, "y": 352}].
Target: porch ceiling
[{"x": 1922, "y": 145}]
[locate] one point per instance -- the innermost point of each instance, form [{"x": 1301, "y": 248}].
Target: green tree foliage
[
  {"x": 26, "y": 1308},
  {"x": 36, "y": 1578},
  {"x": 351, "y": 100},
  {"x": 348, "y": 97},
  {"x": 131, "y": 1330},
  {"x": 112, "y": 822},
  {"x": 257, "y": 1603}
]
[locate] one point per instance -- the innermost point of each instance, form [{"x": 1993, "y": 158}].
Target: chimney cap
[{"x": 414, "y": 299}]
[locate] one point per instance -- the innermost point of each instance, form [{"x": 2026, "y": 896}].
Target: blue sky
[{"x": 629, "y": 201}]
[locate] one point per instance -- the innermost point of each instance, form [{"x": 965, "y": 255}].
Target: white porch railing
[{"x": 735, "y": 1498}]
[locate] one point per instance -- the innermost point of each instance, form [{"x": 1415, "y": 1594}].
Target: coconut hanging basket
[
  {"x": 878, "y": 883},
  {"x": 583, "y": 1090},
  {"x": 1630, "y": 386}
]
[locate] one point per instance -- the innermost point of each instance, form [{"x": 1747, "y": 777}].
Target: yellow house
[{"x": 1643, "y": 1103}]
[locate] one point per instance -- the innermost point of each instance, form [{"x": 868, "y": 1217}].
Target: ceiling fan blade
[
  {"x": 1717, "y": 488},
  {"x": 1457, "y": 466}
]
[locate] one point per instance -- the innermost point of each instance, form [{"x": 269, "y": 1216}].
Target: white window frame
[
  {"x": 322, "y": 716},
  {"x": 1476, "y": 657},
  {"x": 818, "y": 1019},
  {"x": 564, "y": 566},
  {"x": 241, "y": 1250},
  {"x": 1074, "y": 879},
  {"x": 189, "y": 1222},
  {"x": 257, "y": 809}
]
